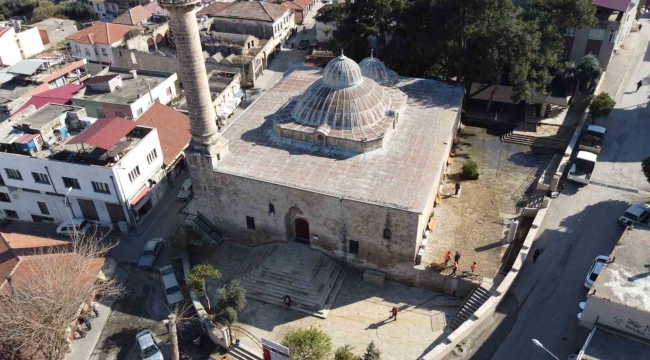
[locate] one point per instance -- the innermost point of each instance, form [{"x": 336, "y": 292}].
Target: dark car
[
  {"x": 150, "y": 252},
  {"x": 303, "y": 44}
]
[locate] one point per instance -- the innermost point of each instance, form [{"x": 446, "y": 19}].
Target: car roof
[
  {"x": 145, "y": 339},
  {"x": 596, "y": 128},
  {"x": 587, "y": 156},
  {"x": 73, "y": 221},
  {"x": 151, "y": 244},
  {"x": 637, "y": 209},
  {"x": 187, "y": 182}
]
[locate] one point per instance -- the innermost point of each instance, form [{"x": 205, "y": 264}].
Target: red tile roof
[
  {"x": 253, "y": 10},
  {"x": 101, "y": 33},
  {"x": 104, "y": 133},
  {"x": 620, "y": 5},
  {"x": 173, "y": 129},
  {"x": 155, "y": 9},
  {"x": 8, "y": 261},
  {"x": 213, "y": 9},
  {"x": 133, "y": 16},
  {"x": 61, "y": 95},
  {"x": 23, "y": 241},
  {"x": 291, "y": 5},
  {"x": 297, "y": 4}
]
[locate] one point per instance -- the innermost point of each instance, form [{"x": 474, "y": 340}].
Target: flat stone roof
[
  {"x": 400, "y": 175},
  {"x": 626, "y": 279},
  {"x": 130, "y": 89},
  {"x": 606, "y": 345}
]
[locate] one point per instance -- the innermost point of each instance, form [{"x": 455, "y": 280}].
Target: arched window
[
  {"x": 386, "y": 234},
  {"x": 271, "y": 209}
]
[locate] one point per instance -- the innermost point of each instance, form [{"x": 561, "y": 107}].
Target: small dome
[
  {"x": 374, "y": 69},
  {"x": 342, "y": 72}
]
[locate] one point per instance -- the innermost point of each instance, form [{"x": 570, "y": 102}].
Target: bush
[
  {"x": 645, "y": 166},
  {"x": 133, "y": 33},
  {"x": 308, "y": 344},
  {"x": 601, "y": 105},
  {"x": 470, "y": 170},
  {"x": 372, "y": 353},
  {"x": 345, "y": 353},
  {"x": 76, "y": 10},
  {"x": 230, "y": 300}
]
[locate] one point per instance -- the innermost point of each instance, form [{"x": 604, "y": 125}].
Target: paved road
[{"x": 543, "y": 302}]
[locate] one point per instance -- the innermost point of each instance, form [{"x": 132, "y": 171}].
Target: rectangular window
[
  {"x": 14, "y": 174},
  {"x": 70, "y": 183},
  {"x": 54, "y": 194},
  {"x": 100, "y": 113},
  {"x": 596, "y": 34},
  {"x": 134, "y": 173},
  {"x": 152, "y": 156},
  {"x": 96, "y": 53},
  {"x": 169, "y": 90},
  {"x": 101, "y": 187},
  {"x": 119, "y": 114},
  {"x": 78, "y": 50},
  {"x": 30, "y": 191},
  {"x": 139, "y": 112},
  {"x": 11, "y": 214},
  {"x": 4, "y": 197},
  {"x": 104, "y": 52},
  {"x": 612, "y": 35},
  {"x": 250, "y": 222},
  {"x": 570, "y": 31},
  {"x": 87, "y": 52},
  {"x": 39, "y": 218},
  {"x": 2, "y": 181},
  {"x": 386, "y": 234},
  {"x": 354, "y": 247},
  {"x": 43, "y": 207},
  {"x": 41, "y": 178}
]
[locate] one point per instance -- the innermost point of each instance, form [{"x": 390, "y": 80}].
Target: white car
[
  {"x": 74, "y": 227},
  {"x": 635, "y": 213},
  {"x": 172, "y": 290},
  {"x": 147, "y": 346},
  {"x": 596, "y": 268}
]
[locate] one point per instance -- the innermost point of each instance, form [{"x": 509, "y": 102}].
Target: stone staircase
[
  {"x": 204, "y": 225},
  {"x": 472, "y": 302},
  {"x": 241, "y": 352},
  {"x": 544, "y": 136},
  {"x": 309, "y": 277}
]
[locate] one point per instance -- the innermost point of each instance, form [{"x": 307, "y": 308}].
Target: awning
[
  {"x": 141, "y": 195},
  {"x": 104, "y": 133}
]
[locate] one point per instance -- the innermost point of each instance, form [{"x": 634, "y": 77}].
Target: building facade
[
  {"x": 23, "y": 38},
  {"x": 105, "y": 11},
  {"x": 615, "y": 21},
  {"x": 10, "y": 53}
]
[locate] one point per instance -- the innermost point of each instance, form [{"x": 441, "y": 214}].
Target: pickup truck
[
  {"x": 592, "y": 140},
  {"x": 582, "y": 167}
]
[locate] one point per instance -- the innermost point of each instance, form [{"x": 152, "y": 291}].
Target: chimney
[{"x": 134, "y": 73}]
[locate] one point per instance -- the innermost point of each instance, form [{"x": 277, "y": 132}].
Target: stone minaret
[{"x": 206, "y": 140}]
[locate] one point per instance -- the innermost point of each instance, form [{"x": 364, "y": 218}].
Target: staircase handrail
[{"x": 248, "y": 334}]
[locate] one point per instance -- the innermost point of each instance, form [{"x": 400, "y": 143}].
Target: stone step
[
  {"x": 537, "y": 142},
  {"x": 241, "y": 352},
  {"x": 291, "y": 278},
  {"x": 537, "y": 138},
  {"x": 476, "y": 298}
]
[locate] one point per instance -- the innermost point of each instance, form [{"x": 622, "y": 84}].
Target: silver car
[
  {"x": 150, "y": 252},
  {"x": 147, "y": 346}
]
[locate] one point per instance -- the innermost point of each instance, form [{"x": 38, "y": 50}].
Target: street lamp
[
  {"x": 539, "y": 344},
  {"x": 67, "y": 204}
]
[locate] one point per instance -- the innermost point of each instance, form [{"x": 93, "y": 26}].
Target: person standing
[
  {"x": 94, "y": 307},
  {"x": 638, "y": 85},
  {"x": 640, "y": 26},
  {"x": 536, "y": 255},
  {"x": 86, "y": 321},
  {"x": 287, "y": 301},
  {"x": 454, "y": 268},
  {"x": 473, "y": 267},
  {"x": 447, "y": 257},
  {"x": 393, "y": 313},
  {"x": 456, "y": 257}
]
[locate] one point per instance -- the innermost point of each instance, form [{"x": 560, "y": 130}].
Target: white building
[
  {"x": 105, "y": 11},
  {"x": 125, "y": 93},
  {"x": 114, "y": 167},
  {"x": 18, "y": 42}
]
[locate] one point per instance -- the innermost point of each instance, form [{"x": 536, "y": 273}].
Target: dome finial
[
  {"x": 372, "y": 52},
  {"x": 342, "y": 52}
]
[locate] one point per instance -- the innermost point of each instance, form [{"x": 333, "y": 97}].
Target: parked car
[
  {"x": 186, "y": 191},
  {"x": 303, "y": 44},
  {"x": 74, "y": 227},
  {"x": 596, "y": 268},
  {"x": 637, "y": 213},
  {"x": 147, "y": 346},
  {"x": 150, "y": 252},
  {"x": 582, "y": 167},
  {"x": 172, "y": 290}
]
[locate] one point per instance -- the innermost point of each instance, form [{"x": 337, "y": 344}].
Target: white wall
[
  {"x": 138, "y": 157},
  {"x": 29, "y": 40},
  {"x": 94, "y": 52},
  {"x": 10, "y": 53},
  {"x": 159, "y": 92}
]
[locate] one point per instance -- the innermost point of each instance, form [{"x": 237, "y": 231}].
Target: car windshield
[
  {"x": 167, "y": 271},
  {"x": 173, "y": 289},
  {"x": 149, "y": 351},
  {"x": 83, "y": 224},
  {"x": 630, "y": 216},
  {"x": 147, "y": 253}
]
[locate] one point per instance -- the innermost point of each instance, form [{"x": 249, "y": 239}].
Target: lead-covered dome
[
  {"x": 374, "y": 69},
  {"x": 340, "y": 107}
]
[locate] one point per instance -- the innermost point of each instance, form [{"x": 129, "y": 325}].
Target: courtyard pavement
[{"x": 475, "y": 223}]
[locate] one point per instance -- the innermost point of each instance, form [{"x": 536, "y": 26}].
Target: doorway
[
  {"x": 88, "y": 209},
  {"x": 302, "y": 231}
]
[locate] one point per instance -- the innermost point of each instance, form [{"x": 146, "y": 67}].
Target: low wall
[{"x": 490, "y": 306}]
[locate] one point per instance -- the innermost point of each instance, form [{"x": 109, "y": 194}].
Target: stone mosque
[{"x": 346, "y": 161}]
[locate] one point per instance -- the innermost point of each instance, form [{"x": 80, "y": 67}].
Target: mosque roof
[{"x": 374, "y": 69}]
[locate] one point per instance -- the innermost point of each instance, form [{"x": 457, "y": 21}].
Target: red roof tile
[
  {"x": 291, "y": 5},
  {"x": 155, "y": 9},
  {"x": 101, "y": 33},
  {"x": 213, "y": 9},
  {"x": 61, "y": 95},
  {"x": 252, "y": 10},
  {"x": 24, "y": 241},
  {"x": 133, "y": 16},
  {"x": 173, "y": 129},
  {"x": 104, "y": 133},
  {"x": 620, "y": 5},
  {"x": 7, "y": 261}
]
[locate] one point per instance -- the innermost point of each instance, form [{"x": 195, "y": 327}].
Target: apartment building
[
  {"x": 105, "y": 11},
  {"x": 110, "y": 169},
  {"x": 125, "y": 93},
  {"x": 18, "y": 42}
]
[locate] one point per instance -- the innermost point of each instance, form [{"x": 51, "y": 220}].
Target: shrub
[
  {"x": 645, "y": 166},
  {"x": 372, "y": 353},
  {"x": 470, "y": 169},
  {"x": 133, "y": 33},
  {"x": 308, "y": 344},
  {"x": 345, "y": 353},
  {"x": 601, "y": 105}
]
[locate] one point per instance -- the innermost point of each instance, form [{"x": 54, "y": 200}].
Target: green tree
[
  {"x": 17, "y": 8},
  {"x": 76, "y": 10},
  {"x": 308, "y": 344},
  {"x": 44, "y": 11},
  {"x": 133, "y": 33},
  {"x": 198, "y": 276},
  {"x": 470, "y": 169},
  {"x": 345, "y": 353},
  {"x": 589, "y": 72},
  {"x": 645, "y": 166},
  {"x": 230, "y": 300},
  {"x": 372, "y": 353},
  {"x": 601, "y": 105}
]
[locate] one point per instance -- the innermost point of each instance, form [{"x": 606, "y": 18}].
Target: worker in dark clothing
[
  {"x": 638, "y": 85},
  {"x": 536, "y": 255},
  {"x": 457, "y": 257}
]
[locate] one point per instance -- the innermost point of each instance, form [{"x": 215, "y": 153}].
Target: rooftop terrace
[{"x": 131, "y": 90}]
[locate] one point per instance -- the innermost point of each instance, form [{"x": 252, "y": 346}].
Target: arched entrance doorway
[{"x": 302, "y": 230}]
